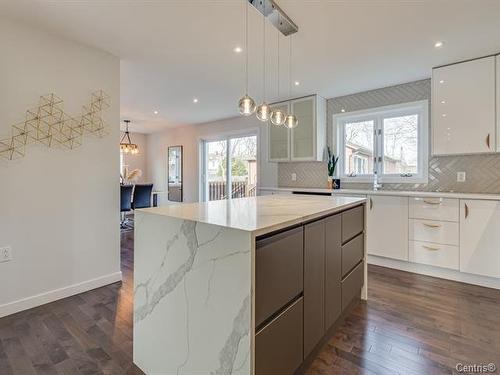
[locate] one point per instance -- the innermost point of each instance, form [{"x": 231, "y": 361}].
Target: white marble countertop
[
  {"x": 429, "y": 194},
  {"x": 259, "y": 215}
]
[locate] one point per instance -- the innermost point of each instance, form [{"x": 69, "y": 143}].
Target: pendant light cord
[
  {"x": 279, "y": 19},
  {"x": 290, "y": 69},
  {"x": 264, "y": 52},
  {"x": 246, "y": 46}
]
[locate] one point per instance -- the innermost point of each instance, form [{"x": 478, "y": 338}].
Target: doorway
[{"x": 229, "y": 167}]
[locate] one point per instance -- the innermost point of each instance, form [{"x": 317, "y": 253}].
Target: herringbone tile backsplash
[{"x": 483, "y": 171}]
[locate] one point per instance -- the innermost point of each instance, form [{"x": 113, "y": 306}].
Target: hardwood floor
[
  {"x": 412, "y": 324},
  {"x": 90, "y": 333}
]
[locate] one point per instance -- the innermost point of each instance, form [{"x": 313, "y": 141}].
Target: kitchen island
[{"x": 230, "y": 286}]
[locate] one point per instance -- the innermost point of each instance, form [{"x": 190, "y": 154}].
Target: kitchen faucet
[{"x": 376, "y": 185}]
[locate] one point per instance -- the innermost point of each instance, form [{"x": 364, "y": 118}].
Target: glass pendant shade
[
  {"x": 246, "y": 106},
  {"x": 263, "y": 112},
  {"x": 291, "y": 121},
  {"x": 278, "y": 117}
]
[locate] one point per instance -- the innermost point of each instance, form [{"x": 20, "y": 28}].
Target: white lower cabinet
[
  {"x": 480, "y": 237},
  {"x": 387, "y": 226},
  {"x": 434, "y": 208},
  {"x": 440, "y": 232},
  {"x": 434, "y": 254}
]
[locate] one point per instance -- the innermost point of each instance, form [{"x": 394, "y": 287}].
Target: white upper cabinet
[
  {"x": 279, "y": 137},
  {"x": 307, "y": 141},
  {"x": 463, "y": 110},
  {"x": 498, "y": 103},
  {"x": 480, "y": 237},
  {"x": 387, "y": 226}
]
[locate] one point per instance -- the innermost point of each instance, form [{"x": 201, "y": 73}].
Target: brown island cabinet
[{"x": 306, "y": 279}]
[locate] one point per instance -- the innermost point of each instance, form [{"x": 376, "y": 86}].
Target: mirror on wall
[{"x": 175, "y": 173}]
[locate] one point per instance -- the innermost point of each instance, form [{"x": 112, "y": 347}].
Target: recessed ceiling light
[
  {"x": 195, "y": 100},
  {"x": 155, "y": 112},
  {"x": 238, "y": 49},
  {"x": 444, "y": 115},
  {"x": 442, "y": 81},
  {"x": 342, "y": 110},
  {"x": 442, "y": 101},
  {"x": 297, "y": 83},
  {"x": 438, "y": 44}
]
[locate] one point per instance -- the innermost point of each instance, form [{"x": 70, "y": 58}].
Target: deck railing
[{"x": 239, "y": 189}]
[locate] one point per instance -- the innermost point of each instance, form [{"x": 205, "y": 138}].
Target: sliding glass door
[{"x": 230, "y": 168}]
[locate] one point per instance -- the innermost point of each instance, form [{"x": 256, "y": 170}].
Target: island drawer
[
  {"x": 352, "y": 253},
  {"x": 434, "y": 208},
  {"x": 279, "y": 272},
  {"x": 279, "y": 344},
  {"x": 352, "y": 284},
  {"x": 352, "y": 223}
]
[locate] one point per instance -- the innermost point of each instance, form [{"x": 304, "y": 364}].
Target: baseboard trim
[
  {"x": 56, "y": 294},
  {"x": 442, "y": 273}
]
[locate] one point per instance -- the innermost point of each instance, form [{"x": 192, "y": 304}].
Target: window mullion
[
  {"x": 229, "y": 184},
  {"x": 378, "y": 153}
]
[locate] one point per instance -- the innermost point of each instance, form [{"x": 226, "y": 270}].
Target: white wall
[
  {"x": 189, "y": 137},
  {"x": 59, "y": 209},
  {"x": 140, "y": 160}
]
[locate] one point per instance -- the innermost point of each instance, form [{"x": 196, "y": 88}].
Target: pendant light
[
  {"x": 264, "y": 110},
  {"x": 246, "y": 104},
  {"x": 291, "y": 121},
  {"x": 277, "y": 115},
  {"x": 126, "y": 145}
]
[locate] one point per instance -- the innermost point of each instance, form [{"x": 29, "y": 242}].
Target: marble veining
[
  {"x": 188, "y": 230},
  {"x": 228, "y": 353},
  {"x": 192, "y": 297}
]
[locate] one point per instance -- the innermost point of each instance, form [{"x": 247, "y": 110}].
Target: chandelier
[{"x": 126, "y": 145}]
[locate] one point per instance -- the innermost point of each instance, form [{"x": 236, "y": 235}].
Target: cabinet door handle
[
  {"x": 466, "y": 210},
  {"x": 431, "y": 248},
  {"x": 488, "y": 140},
  {"x": 432, "y": 225},
  {"x": 432, "y": 202},
  {"x": 371, "y": 204}
]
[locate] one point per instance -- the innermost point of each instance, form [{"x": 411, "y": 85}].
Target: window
[
  {"x": 232, "y": 159},
  {"x": 391, "y": 141}
]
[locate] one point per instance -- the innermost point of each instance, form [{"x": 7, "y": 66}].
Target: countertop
[
  {"x": 428, "y": 194},
  {"x": 258, "y": 215}
]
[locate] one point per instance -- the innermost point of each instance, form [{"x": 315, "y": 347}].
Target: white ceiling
[{"x": 175, "y": 50}]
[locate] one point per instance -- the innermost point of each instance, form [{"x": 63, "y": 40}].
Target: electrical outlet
[
  {"x": 460, "y": 176},
  {"x": 294, "y": 176},
  {"x": 5, "y": 254}
]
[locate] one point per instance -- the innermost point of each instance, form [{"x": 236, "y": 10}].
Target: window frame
[
  {"x": 203, "y": 162},
  {"x": 378, "y": 114}
]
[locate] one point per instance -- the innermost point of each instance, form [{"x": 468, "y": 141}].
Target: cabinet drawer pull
[
  {"x": 432, "y": 225},
  {"x": 488, "y": 140},
  {"x": 433, "y": 202},
  {"x": 371, "y": 204},
  {"x": 431, "y": 248},
  {"x": 466, "y": 210}
]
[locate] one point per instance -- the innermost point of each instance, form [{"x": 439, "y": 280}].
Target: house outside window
[{"x": 391, "y": 140}]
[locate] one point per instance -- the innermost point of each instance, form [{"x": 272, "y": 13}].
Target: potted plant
[{"x": 333, "y": 183}]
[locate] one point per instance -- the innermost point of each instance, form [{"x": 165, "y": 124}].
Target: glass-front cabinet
[
  {"x": 307, "y": 141},
  {"x": 279, "y": 137},
  {"x": 302, "y": 137}
]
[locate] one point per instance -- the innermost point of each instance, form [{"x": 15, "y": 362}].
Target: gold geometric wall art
[{"x": 49, "y": 125}]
